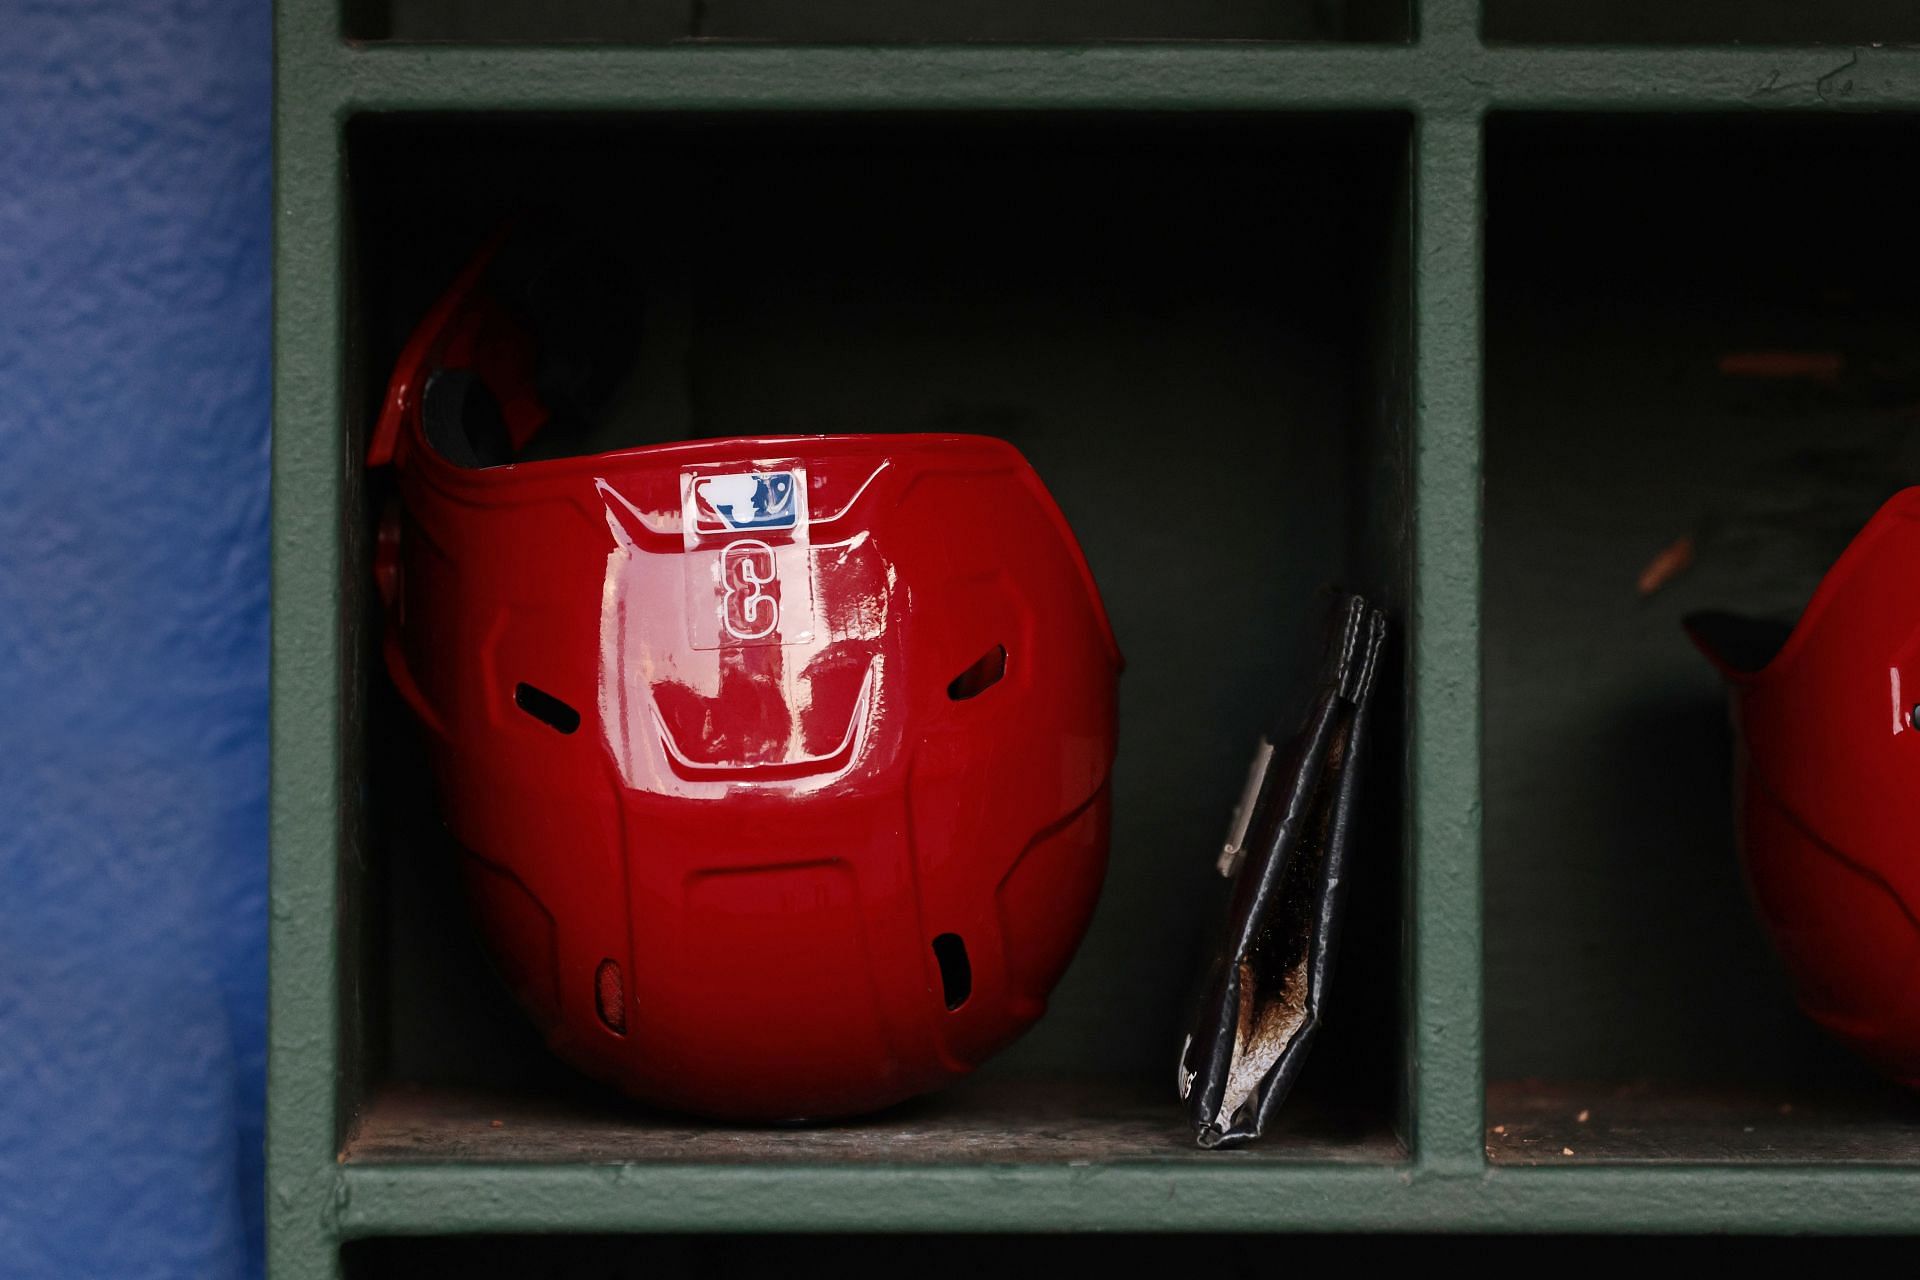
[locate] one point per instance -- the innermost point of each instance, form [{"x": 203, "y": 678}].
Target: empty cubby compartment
[
  {"x": 874, "y": 21},
  {"x": 559, "y": 1257},
  {"x": 1196, "y": 333},
  {"x": 1753, "y": 22}
]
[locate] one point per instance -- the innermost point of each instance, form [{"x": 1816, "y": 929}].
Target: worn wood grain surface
[
  {"x": 1529, "y": 1123},
  {"x": 1011, "y": 1121}
]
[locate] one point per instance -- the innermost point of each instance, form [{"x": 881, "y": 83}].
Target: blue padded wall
[{"x": 134, "y": 290}]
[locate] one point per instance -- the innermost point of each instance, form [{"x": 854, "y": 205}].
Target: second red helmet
[
  {"x": 781, "y": 764},
  {"x": 1827, "y": 714}
]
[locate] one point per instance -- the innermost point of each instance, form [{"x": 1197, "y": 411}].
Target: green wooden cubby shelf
[{"x": 1407, "y": 147}]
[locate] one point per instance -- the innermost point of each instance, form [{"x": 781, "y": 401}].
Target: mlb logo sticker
[{"x": 758, "y": 500}]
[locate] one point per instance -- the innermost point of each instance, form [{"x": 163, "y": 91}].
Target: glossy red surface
[
  {"x": 775, "y": 792},
  {"x": 1829, "y": 793}
]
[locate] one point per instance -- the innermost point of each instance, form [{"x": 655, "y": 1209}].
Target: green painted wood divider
[{"x": 1446, "y": 81}]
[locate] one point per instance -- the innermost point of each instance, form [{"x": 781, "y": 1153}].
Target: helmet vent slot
[
  {"x": 610, "y": 996},
  {"x": 956, "y": 972},
  {"x": 980, "y": 677},
  {"x": 546, "y": 708}
]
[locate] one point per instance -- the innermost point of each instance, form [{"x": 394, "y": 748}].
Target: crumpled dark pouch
[{"x": 1286, "y": 852}]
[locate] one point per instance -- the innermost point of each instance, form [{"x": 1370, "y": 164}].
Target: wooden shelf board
[
  {"x": 1539, "y": 1124},
  {"x": 988, "y": 1121}
]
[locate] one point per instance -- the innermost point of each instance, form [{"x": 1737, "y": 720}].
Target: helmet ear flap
[{"x": 1739, "y": 646}]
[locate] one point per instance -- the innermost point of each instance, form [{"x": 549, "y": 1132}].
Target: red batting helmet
[
  {"x": 1828, "y": 782},
  {"x": 781, "y": 764}
]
